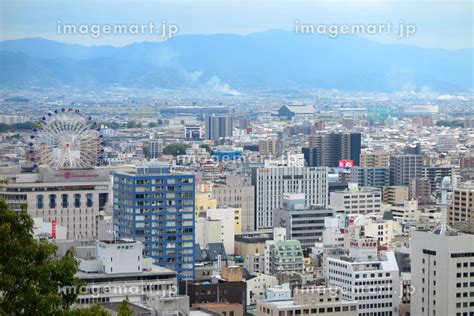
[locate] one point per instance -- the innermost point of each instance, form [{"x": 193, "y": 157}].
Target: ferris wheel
[{"x": 66, "y": 139}]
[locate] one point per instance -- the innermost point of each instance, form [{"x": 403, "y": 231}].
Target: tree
[
  {"x": 94, "y": 310},
  {"x": 125, "y": 309},
  {"x": 31, "y": 274},
  {"x": 175, "y": 149},
  {"x": 152, "y": 124},
  {"x": 208, "y": 148}
]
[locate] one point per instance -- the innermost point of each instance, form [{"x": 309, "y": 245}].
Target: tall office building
[
  {"x": 420, "y": 189},
  {"x": 442, "y": 271},
  {"x": 312, "y": 156},
  {"x": 366, "y": 276},
  {"x": 219, "y": 127},
  {"x": 377, "y": 177},
  {"x": 404, "y": 168},
  {"x": 336, "y": 146},
  {"x": 272, "y": 182},
  {"x": 156, "y": 207},
  {"x": 155, "y": 147}
]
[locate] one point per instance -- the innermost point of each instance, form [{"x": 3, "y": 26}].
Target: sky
[{"x": 439, "y": 24}]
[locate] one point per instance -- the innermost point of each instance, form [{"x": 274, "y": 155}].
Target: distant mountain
[{"x": 226, "y": 63}]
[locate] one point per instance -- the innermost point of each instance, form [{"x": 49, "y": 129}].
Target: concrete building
[
  {"x": 303, "y": 224},
  {"x": 155, "y": 148},
  {"x": 75, "y": 199},
  {"x": 309, "y": 301},
  {"x": 357, "y": 200},
  {"x": 395, "y": 195},
  {"x": 282, "y": 255},
  {"x": 420, "y": 189},
  {"x": 436, "y": 174},
  {"x": 408, "y": 212},
  {"x": 371, "y": 159},
  {"x": 442, "y": 270},
  {"x": 238, "y": 195},
  {"x": 461, "y": 212},
  {"x": 336, "y": 146},
  {"x": 367, "y": 277},
  {"x": 271, "y": 183},
  {"x": 269, "y": 147},
  {"x": 257, "y": 287},
  {"x": 156, "y": 207},
  {"x": 404, "y": 168},
  {"x": 312, "y": 156},
  {"x": 376, "y": 177},
  {"x": 119, "y": 271},
  {"x": 219, "y": 127}
]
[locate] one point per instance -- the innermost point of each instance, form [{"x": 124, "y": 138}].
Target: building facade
[
  {"x": 156, "y": 207},
  {"x": 271, "y": 183}
]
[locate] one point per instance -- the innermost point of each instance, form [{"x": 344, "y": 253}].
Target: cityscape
[{"x": 250, "y": 171}]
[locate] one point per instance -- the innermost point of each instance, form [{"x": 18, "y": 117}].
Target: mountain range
[{"x": 228, "y": 63}]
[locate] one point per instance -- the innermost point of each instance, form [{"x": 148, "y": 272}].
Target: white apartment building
[
  {"x": 257, "y": 286},
  {"x": 75, "y": 199},
  {"x": 442, "y": 272},
  {"x": 120, "y": 271},
  {"x": 227, "y": 218},
  {"x": 367, "y": 277},
  {"x": 271, "y": 183},
  {"x": 357, "y": 200}
]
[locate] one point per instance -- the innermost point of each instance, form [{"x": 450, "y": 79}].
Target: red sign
[
  {"x": 70, "y": 175},
  {"x": 53, "y": 228},
  {"x": 346, "y": 163}
]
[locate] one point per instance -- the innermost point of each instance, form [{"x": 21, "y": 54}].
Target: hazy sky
[{"x": 441, "y": 24}]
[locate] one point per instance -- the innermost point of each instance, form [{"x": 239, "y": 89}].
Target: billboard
[{"x": 346, "y": 164}]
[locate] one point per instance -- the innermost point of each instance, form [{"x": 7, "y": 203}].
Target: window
[
  {"x": 39, "y": 201},
  {"x": 52, "y": 201},
  {"x": 77, "y": 200},
  {"x": 64, "y": 201},
  {"x": 89, "y": 200}
]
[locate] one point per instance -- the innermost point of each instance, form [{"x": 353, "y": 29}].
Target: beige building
[
  {"x": 461, "y": 212},
  {"x": 75, "y": 199},
  {"x": 395, "y": 195},
  {"x": 373, "y": 159},
  {"x": 320, "y": 301},
  {"x": 268, "y": 147},
  {"x": 238, "y": 195}
]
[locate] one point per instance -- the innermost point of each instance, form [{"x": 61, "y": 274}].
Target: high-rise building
[
  {"x": 442, "y": 270},
  {"x": 436, "y": 174},
  {"x": 269, "y": 147},
  {"x": 312, "y": 156},
  {"x": 155, "y": 148},
  {"x": 238, "y": 195},
  {"x": 366, "y": 276},
  {"x": 156, "y": 207},
  {"x": 412, "y": 149},
  {"x": 272, "y": 182},
  {"x": 219, "y": 127},
  {"x": 376, "y": 177},
  {"x": 373, "y": 159},
  {"x": 404, "y": 168},
  {"x": 336, "y": 146}
]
